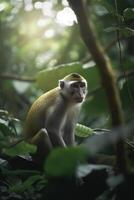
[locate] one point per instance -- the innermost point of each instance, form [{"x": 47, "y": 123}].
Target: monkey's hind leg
[{"x": 44, "y": 146}]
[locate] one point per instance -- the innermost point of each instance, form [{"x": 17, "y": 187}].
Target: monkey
[{"x": 51, "y": 120}]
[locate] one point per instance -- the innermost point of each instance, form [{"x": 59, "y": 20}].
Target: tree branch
[
  {"x": 128, "y": 74},
  {"x": 106, "y": 48},
  {"x": 18, "y": 78}
]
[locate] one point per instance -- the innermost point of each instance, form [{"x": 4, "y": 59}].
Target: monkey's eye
[
  {"x": 82, "y": 84},
  {"x": 74, "y": 85},
  {"x": 78, "y": 84}
]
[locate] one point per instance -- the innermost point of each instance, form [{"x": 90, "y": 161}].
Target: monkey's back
[{"x": 36, "y": 116}]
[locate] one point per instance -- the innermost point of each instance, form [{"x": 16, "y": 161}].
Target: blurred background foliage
[{"x": 38, "y": 36}]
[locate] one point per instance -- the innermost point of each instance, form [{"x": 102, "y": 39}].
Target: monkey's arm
[
  {"x": 54, "y": 133},
  {"x": 54, "y": 125},
  {"x": 56, "y": 138},
  {"x": 69, "y": 136}
]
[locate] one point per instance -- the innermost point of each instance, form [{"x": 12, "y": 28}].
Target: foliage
[
  {"x": 33, "y": 40},
  {"x": 68, "y": 166},
  {"x": 22, "y": 148},
  {"x": 7, "y": 128}
]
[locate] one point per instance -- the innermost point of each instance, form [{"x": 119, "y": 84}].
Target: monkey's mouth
[{"x": 79, "y": 100}]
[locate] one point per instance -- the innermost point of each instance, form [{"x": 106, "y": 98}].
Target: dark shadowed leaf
[
  {"x": 63, "y": 162},
  {"x": 128, "y": 13},
  {"x": 19, "y": 188},
  {"x": 22, "y": 148}
]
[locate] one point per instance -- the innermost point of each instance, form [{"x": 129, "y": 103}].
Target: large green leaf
[
  {"x": 48, "y": 79},
  {"x": 64, "y": 161}
]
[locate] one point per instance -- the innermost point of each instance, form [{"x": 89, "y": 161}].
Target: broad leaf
[
  {"x": 64, "y": 161},
  {"x": 48, "y": 79}
]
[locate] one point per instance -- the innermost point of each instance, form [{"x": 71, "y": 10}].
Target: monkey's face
[
  {"x": 78, "y": 91},
  {"x": 74, "y": 91}
]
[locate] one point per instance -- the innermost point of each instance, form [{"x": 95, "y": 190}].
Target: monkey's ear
[{"x": 61, "y": 84}]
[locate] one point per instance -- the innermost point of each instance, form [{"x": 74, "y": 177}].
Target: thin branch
[
  {"x": 18, "y": 78},
  {"x": 106, "y": 48},
  {"x": 128, "y": 74}
]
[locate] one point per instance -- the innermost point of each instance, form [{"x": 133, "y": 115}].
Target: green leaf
[
  {"x": 128, "y": 13},
  {"x": 48, "y": 79},
  {"x": 4, "y": 129},
  {"x": 21, "y": 187},
  {"x": 127, "y": 32},
  {"x": 21, "y": 148},
  {"x": 83, "y": 131},
  {"x": 64, "y": 161}
]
